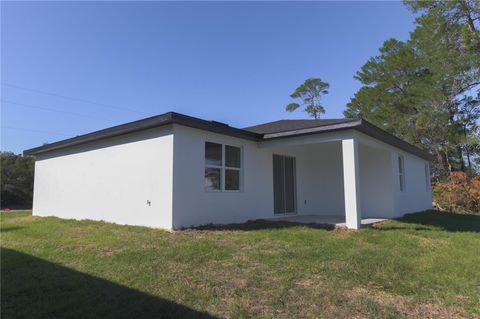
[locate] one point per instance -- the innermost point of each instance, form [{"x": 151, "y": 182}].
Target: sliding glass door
[{"x": 284, "y": 194}]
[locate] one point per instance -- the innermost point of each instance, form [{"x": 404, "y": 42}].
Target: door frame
[{"x": 294, "y": 181}]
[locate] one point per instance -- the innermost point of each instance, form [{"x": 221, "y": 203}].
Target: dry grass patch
[
  {"x": 407, "y": 306},
  {"x": 13, "y": 220}
]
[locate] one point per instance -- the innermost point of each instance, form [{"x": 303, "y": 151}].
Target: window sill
[{"x": 222, "y": 191}]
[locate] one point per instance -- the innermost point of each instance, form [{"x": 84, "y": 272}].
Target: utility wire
[
  {"x": 32, "y": 130},
  {"x": 53, "y": 110},
  {"x": 71, "y": 98}
]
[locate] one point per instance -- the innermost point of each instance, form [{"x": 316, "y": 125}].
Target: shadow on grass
[
  {"x": 259, "y": 224},
  {"x": 435, "y": 219},
  {"x": 6, "y": 229},
  {"x": 35, "y": 288}
]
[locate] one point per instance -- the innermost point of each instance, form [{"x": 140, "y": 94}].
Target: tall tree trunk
[
  {"x": 460, "y": 158},
  {"x": 468, "y": 160},
  {"x": 443, "y": 159},
  {"x": 468, "y": 17},
  {"x": 467, "y": 149}
]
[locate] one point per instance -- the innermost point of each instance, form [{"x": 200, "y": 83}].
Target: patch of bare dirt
[
  {"x": 427, "y": 242},
  {"x": 108, "y": 251},
  {"x": 342, "y": 231},
  {"x": 314, "y": 282},
  {"x": 407, "y": 306},
  {"x": 20, "y": 219}
]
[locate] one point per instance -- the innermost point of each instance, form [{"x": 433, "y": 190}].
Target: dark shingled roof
[
  {"x": 144, "y": 124},
  {"x": 262, "y": 132},
  {"x": 293, "y": 125}
]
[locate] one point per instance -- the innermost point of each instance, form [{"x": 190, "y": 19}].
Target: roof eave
[
  {"x": 159, "y": 120},
  {"x": 215, "y": 127},
  {"x": 373, "y": 131},
  {"x": 313, "y": 130},
  {"x": 144, "y": 124},
  {"x": 185, "y": 120},
  {"x": 362, "y": 126}
]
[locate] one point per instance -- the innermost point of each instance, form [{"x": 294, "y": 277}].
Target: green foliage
[
  {"x": 427, "y": 90},
  {"x": 310, "y": 93},
  {"x": 460, "y": 12},
  {"x": 16, "y": 180}
]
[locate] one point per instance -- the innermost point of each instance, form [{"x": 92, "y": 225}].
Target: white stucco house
[{"x": 172, "y": 171}]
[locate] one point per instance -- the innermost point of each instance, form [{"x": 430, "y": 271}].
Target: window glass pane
[
  {"x": 401, "y": 172},
  {"x": 278, "y": 184},
  {"x": 212, "y": 178},
  {"x": 232, "y": 156},
  {"x": 213, "y": 154},
  {"x": 289, "y": 184},
  {"x": 427, "y": 177},
  {"x": 232, "y": 180}
]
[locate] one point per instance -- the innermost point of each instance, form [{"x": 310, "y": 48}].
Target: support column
[
  {"x": 395, "y": 184},
  {"x": 351, "y": 185}
]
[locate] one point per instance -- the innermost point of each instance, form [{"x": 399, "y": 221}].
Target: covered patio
[{"x": 340, "y": 178}]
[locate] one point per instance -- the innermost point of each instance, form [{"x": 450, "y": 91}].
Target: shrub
[
  {"x": 16, "y": 180},
  {"x": 459, "y": 194}
]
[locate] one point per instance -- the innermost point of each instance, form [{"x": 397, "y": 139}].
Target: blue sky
[{"x": 226, "y": 61}]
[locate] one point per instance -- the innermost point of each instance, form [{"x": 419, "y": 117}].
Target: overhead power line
[
  {"x": 71, "y": 98},
  {"x": 52, "y": 110},
  {"x": 32, "y": 130}
]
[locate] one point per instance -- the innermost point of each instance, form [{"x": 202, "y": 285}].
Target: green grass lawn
[{"x": 426, "y": 265}]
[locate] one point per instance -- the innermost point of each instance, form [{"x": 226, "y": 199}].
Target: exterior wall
[
  {"x": 193, "y": 205},
  {"x": 416, "y": 196},
  {"x": 379, "y": 172},
  {"x": 114, "y": 179},
  {"x": 376, "y": 182},
  {"x": 380, "y": 194},
  {"x": 109, "y": 180},
  {"x": 319, "y": 180}
]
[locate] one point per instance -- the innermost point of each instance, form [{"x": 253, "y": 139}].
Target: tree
[
  {"x": 469, "y": 113},
  {"x": 459, "y": 12},
  {"x": 310, "y": 93},
  {"x": 16, "y": 180},
  {"x": 423, "y": 90}
]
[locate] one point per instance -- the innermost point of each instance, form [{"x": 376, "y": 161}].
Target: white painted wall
[
  {"x": 193, "y": 206},
  {"x": 109, "y": 180},
  {"x": 351, "y": 183},
  {"x": 319, "y": 170},
  {"x": 376, "y": 182},
  {"x": 319, "y": 180},
  {"x": 416, "y": 196},
  {"x": 112, "y": 180}
]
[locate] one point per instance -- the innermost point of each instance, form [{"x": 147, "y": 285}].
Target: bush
[
  {"x": 460, "y": 194},
  {"x": 16, "y": 180}
]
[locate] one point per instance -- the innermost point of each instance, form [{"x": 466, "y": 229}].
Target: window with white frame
[
  {"x": 427, "y": 177},
  {"x": 222, "y": 167},
  {"x": 401, "y": 172}
]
